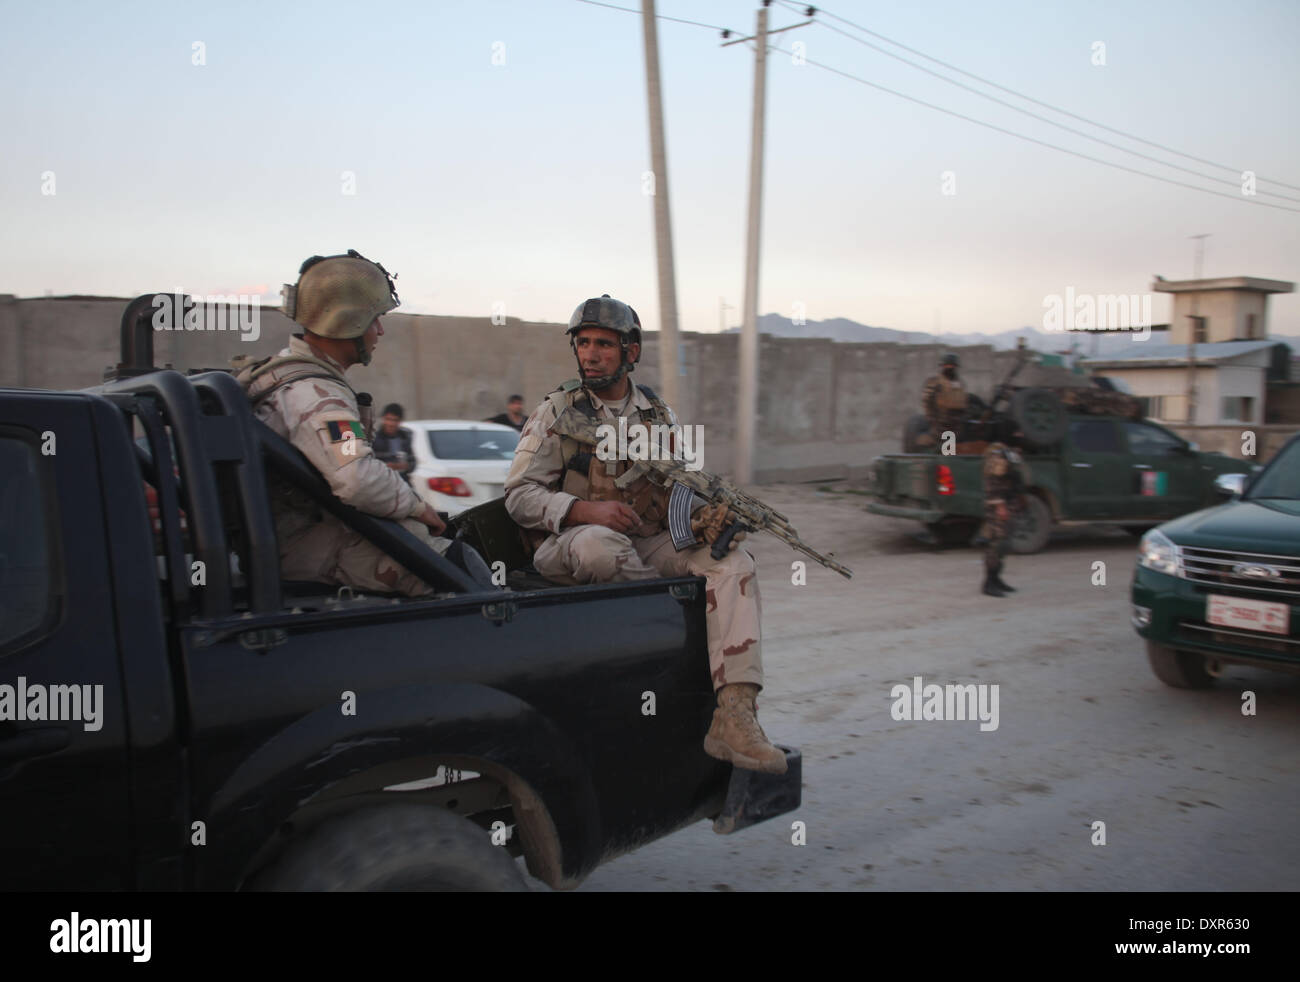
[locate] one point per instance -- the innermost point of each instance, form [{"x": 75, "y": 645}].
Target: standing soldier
[
  {"x": 944, "y": 400},
  {"x": 1003, "y": 484}
]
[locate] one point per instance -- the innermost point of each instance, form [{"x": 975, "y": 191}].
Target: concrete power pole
[
  {"x": 747, "y": 403},
  {"x": 668, "y": 358},
  {"x": 1191, "y": 336}
]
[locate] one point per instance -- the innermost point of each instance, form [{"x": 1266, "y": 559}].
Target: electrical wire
[
  {"x": 679, "y": 20},
  {"x": 1050, "y": 122},
  {"x": 1046, "y": 105},
  {"x": 1031, "y": 139},
  {"x": 993, "y": 126}
]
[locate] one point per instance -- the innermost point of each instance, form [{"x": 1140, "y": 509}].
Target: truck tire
[
  {"x": 913, "y": 428},
  {"x": 397, "y": 848},
  {"x": 1181, "y": 669},
  {"x": 953, "y": 532},
  {"x": 1032, "y": 526},
  {"x": 1041, "y": 416}
]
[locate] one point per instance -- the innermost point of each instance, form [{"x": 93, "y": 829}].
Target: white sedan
[{"x": 460, "y": 463}]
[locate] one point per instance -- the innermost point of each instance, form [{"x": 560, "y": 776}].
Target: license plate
[{"x": 1254, "y": 615}]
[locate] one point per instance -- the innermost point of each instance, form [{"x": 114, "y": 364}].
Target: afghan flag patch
[
  {"x": 1155, "y": 484},
  {"x": 339, "y": 430}
]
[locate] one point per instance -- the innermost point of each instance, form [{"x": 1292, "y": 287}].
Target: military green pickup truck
[{"x": 1101, "y": 470}]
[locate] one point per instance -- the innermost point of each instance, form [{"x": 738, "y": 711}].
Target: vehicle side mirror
[{"x": 1230, "y": 485}]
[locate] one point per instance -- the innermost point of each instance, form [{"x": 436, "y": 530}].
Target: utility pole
[
  {"x": 668, "y": 359},
  {"x": 723, "y": 307},
  {"x": 747, "y": 402},
  {"x": 1191, "y": 336}
]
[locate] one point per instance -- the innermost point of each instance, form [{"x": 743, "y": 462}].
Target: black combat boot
[
  {"x": 997, "y": 581},
  {"x": 991, "y": 583}
]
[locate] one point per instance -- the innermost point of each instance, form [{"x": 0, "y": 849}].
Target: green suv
[{"x": 1222, "y": 585}]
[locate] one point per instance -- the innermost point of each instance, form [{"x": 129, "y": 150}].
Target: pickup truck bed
[{"x": 238, "y": 714}]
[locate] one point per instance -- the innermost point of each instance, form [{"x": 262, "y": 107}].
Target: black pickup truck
[{"x": 173, "y": 716}]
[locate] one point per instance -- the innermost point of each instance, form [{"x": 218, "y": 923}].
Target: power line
[
  {"x": 679, "y": 20},
  {"x": 725, "y": 31},
  {"x": 1031, "y": 139},
  {"x": 1050, "y": 122},
  {"x": 1039, "y": 102}
]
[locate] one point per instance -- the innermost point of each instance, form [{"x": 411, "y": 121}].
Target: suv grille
[{"x": 1249, "y": 574}]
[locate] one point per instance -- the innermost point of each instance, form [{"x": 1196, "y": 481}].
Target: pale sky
[{"x": 520, "y": 181}]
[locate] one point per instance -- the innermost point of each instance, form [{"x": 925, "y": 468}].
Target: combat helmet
[
  {"x": 339, "y": 296},
  {"x": 950, "y": 359},
  {"x": 612, "y": 315}
]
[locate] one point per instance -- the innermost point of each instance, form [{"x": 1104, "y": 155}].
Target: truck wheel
[
  {"x": 1181, "y": 669},
  {"x": 1032, "y": 526},
  {"x": 1040, "y": 415},
  {"x": 397, "y": 848},
  {"x": 913, "y": 428},
  {"x": 952, "y": 533}
]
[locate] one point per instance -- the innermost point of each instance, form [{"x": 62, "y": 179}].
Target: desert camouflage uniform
[
  {"x": 943, "y": 400},
  {"x": 320, "y": 416},
  {"x": 1001, "y": 482},
  {"x": 540, "y": 490}
]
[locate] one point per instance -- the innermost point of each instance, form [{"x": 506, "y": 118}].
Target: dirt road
[{"x": 1193, "y": 794}]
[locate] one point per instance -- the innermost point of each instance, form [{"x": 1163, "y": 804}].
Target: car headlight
[{"x": 1157, "y": 552}]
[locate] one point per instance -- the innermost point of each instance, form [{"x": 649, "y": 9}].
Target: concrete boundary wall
[{"x": 826, "y": 408}]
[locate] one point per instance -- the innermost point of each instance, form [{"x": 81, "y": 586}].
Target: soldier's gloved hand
[
  {"x": 430, "y": 518},
  {"x": 614, "y": 515},
  {"x": 709, "y": 521}
]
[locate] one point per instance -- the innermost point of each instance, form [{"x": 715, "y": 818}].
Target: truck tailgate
[{"x": 905, "y": 479}]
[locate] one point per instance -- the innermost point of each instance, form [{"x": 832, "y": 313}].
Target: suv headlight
[{"x": 1157, "y": 552}]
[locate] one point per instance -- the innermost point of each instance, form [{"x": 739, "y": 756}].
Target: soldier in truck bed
[
  {"x": 302, "y": 394},
  {"x": 587, "y": 530},
  {"x": 943, "y": 400}
]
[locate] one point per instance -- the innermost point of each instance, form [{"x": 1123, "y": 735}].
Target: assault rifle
[{"x": 685, "y": 485}]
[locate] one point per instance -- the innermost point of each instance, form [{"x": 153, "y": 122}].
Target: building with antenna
[{"x": 1218, "y": 343}]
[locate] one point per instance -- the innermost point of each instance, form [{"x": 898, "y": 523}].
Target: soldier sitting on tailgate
[
  {"x": 586, "y": 529},
  {"x": 302, "y": 394},
  {"x": 944, "y": 400}
]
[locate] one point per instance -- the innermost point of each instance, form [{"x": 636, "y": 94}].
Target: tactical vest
[
  {"x": 247, "y": 373},
  {"x": 951, "y": 395},
  {"x": 1004, "y": 470},
  {"x": 586, "y": 476},
  {"x": 293, "y": 509}
]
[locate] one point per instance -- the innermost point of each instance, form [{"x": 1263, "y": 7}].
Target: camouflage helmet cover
[
  {"x": 340, "y": 296},
  {"x": 950, "y": 359},
  {"x": 611, "y": 315}
]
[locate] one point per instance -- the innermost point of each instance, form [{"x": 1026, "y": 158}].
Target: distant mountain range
[{"x": 843, "y": 329}]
